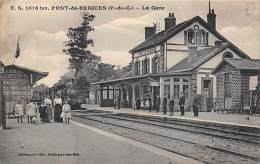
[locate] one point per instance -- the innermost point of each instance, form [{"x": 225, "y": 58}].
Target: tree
[
  {"x": 105, "y": 71},
  {"x": 82, "y": 83},
  {"x": 78, "y": 43}
]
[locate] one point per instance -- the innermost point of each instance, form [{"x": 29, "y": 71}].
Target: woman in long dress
[
  {"x": 42, "y": 111},
  {"x": 57, "y": 103},
  {"x": 66, "y": 114},
  {"x": 19, "y": 111},
  {"x": 48, "y": 105}
]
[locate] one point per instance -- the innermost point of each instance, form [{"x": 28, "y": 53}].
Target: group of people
[
  {"x": 44, "y": 112},
  {"x": 147, "y": 104}
]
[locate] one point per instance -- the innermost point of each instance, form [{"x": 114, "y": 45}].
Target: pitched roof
[
  {"x": 161, "y": 36},
  {"x": 38, "y": 74},
  {"x": 244, "y": 64},
  {"x": 241, "y": 64},
  {"x": 203, "y": 55},
  {"x": 167, "y": 34}
]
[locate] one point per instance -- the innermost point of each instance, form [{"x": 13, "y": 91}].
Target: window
[
  {"x": 185, "y": 90},
  {"x": 154, "y": 64},
  {"x": 206, "y": 83},
  {"x": 104, "y": 94},
  {"x": 148, "y": 66},
  {"x": 167, "y": 90},
  {"x": 136, "y": 68},
  {"x": 161, "y": 62},
  {"x": 226, "y": 77},
  {"x": 185, "y": 80},
  {"x": 111, "y": 94},
  {"x": 199, "y": 37},
  {"x": 227, "y": 55},
  {"x": 117, "y": 93},
  {"x": 167, "y": 80},
  {"x": 176, "y": 80},
  {"x": 191, "y": 37},
  {"x": 139, "y": 67},
  {"x": 227, "y": 84},
  {"x": 176, "y": 90},
  {"x": 145, "y": 66}
]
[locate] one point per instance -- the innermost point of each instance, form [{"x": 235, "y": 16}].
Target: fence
[{"x": 241, "y": 104}]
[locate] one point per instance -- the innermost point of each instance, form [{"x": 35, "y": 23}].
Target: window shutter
[
  {"x": 139, "y": 66},
  {"x": 207, "y": 38},
  {"x": 142, "y": 67},
  {"x": 185, "y": 37},
  {"x": 148, "y": 66},
  {"x": 152, "y": 65}
]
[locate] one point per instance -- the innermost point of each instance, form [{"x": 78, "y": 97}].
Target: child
[
  {"x": 19, "y": 111},
  {"x": 66, "y": 112}
]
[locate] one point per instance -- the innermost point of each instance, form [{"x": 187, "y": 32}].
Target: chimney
[
  {"x": 149, "y": 31},
  {"x": 170, "y": 21},
  {"x": 192, "y": 53},
  {"x": 211, "y": 18}
]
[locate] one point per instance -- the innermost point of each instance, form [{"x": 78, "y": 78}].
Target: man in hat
[
  {"x": 182, "y": 103},
  {"x": 164, "y": 104},
  {"x": 195, "y": 103}
]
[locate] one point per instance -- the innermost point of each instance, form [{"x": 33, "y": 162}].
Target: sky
[{"x": 43, "y": 32}]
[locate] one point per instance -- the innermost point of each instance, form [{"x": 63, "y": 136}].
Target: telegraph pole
[{"x": 2, "y": 101}]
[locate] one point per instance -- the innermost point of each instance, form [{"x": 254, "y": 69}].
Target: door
[{"x": 207, "y": 93}]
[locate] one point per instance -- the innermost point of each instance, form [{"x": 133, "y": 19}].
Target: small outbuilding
[
  {"x": 18, "y": 84},
  {"x": 233, "y": 83}
]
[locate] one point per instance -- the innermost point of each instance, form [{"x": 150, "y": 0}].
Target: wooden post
[
  {"x": 258, "y": 94},
  {"x": 1, "y": 104},
  {"x": 2, "y": 100}
]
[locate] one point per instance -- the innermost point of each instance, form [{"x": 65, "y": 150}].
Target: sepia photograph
[{"x": 129, "y": 82}]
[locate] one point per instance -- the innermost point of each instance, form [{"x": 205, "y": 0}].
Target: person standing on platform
[
  {"x": 182, "y": 103},
  {"x": 31, "y": 111},
  {"x": 48, "y": 105},
  {"x": 118, "y": 102},
  {"x": 164, "y": 104},
  {"x": 66, "y": 114},
  {"x": 138, "y": 103},
  {"x": 57, "y": 103},
  {"x": 150, "y": 103},
  {"x": 171, "y": 106},
  {"x": 147, "y": 103},
  {"x": 19, "y": 111},
  {"x": 157, "y": 103},
  {"x": 195, "y": 104},
  {"x": 42, "y": 111}
]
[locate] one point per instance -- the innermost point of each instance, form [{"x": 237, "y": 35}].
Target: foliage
[
  {"x": 78, "y": 43},
  {"x": 82, "y": 83},
  {"x": 40, "y": 88},
  {"x": 104, "y": 71}
]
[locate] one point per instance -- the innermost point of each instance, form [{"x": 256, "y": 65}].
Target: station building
[{"x": 175, "y": 61}]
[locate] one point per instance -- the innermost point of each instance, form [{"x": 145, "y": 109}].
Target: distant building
[
  {"x": 18, "y": 84},
  {"x": 174, "y": 61}
]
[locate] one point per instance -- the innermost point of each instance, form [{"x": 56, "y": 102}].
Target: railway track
[
  {"x": 210, "y": 131},
  {"x": 183, "y": 125},
  {"x": 215, "y": 152}
]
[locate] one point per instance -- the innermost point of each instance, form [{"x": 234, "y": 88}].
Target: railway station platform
[
  {"x": 53, "y": 143},
  {"x": 212, "y": 117}
]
